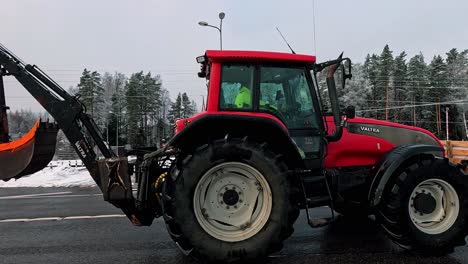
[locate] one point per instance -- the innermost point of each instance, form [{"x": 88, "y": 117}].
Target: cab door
[{"x": 287, "y": 93}]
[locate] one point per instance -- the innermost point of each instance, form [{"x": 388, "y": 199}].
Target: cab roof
[{"x": 258, "y": 56}]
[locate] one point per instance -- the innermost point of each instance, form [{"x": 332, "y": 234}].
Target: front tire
[
  {"x": 230, "y": 201},
  {"x": 424, "y": 208}
]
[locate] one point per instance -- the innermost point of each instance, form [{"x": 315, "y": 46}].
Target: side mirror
[
  {"x": 345, "y": 70},
  {"x": 203, "y": 66},
  {"x": 350, "y": 112}
]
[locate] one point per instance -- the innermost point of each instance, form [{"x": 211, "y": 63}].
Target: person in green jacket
[{"x": 243, "y": 97}]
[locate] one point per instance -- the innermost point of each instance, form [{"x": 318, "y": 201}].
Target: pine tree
[
  {"x": 194, "y": 107},
  {"x": 357, "y": 90},
  {"x": 91, "y": 92},
  {"x": 133, "y": 97},
  {"x": 452, "y": 57},
  {"x": 187, "y": 109},
  {"x": 151, "y": 105},
  {"x": 418, "y": 80},
  {"x": 164, "y": 127},
  {"x": 176, "y": 109},
  {"x": 144, "y": 103},
  {"x": 457, "y": 71},
  {"x": 400, "y": 88},
  {"x": 116, "y": 118},
  {"x": 438, "y": 81},
  {"x": 371, "y": 72},
  {"x": 385, "y": 71},
  {"x": 107, "y": 81},
  {"x": 20, "y": 122}
]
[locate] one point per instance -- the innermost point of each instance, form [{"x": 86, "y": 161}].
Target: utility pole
[
  {"x": 386, "y": 101},
  {"x": 414, "y": 111},
  {"x": 439, "y": 112},
  {"x": 446, "y": 122},
  {"x": 437, "y": 119},
  {"x": 464, "y": 122}
]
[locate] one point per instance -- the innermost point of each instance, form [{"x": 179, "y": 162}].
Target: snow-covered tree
[
  {"x": 400, "y": 89},
  {"x": 371, "y": 72},
  {"x": 385, "y": 72},
  {"x": 91, "y": 91},
  {"x": 176, "y": 109},
  {"x": 187, "y": 107},
  {"x": 357, "y": 90}
]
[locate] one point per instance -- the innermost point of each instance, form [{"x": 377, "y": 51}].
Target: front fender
[{"x": 385, "y": 168}]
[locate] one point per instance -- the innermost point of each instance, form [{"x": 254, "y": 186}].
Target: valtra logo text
[{"x": 370, "y": 129}]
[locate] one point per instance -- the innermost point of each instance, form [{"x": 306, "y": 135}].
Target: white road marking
[
  {"x": 31, "y": 195},
  {"x": 61, "y": 218},
  {"x": 62, "y": 196}
]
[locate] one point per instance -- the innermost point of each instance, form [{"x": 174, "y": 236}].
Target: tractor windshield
[{"x": 286, "y": 93}]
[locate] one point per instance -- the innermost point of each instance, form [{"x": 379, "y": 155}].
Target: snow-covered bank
[{"x": 61, "y": 173}]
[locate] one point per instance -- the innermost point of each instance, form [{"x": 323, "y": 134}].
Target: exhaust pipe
[{"x": 334, "y": 103}]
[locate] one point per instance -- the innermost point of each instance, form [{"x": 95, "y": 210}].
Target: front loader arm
[
  {"x": 110, "y": 174},
  {"x": 67, "y": 111}
]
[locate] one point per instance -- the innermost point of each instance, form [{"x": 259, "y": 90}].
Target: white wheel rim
[
  {"x": 235, "y": 220},
  {"x": 447, "y": 207}
]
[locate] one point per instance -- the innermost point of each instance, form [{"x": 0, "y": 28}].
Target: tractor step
[
  {"x": 313, "y": 179},
  {"x": 316, "y": 201},
  {"x": 320, "y": 222}
]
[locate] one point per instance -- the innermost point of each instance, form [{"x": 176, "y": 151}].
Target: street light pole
[
  {"x": 221, "y": 17},
  {"x": 220, "y": 28}
]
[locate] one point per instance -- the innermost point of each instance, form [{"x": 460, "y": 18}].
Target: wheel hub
[
  {"x": 424, "y": 203},
  {"x": 434, "y": 206},
  {"x": 232, "y": 201},
  {"x": 231, "y": 197}
]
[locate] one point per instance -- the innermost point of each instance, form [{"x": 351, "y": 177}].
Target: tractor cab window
[
  {"x": 236, "y": 87},
  {"x": 285, "y": 93}
]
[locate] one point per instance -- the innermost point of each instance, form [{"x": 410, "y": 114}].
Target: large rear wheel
[
  {"x": 424, "y": 208},
  {"x": 228, "y": 201}
]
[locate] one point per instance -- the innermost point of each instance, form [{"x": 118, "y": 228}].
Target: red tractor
[{"x": 231, "y": 182}]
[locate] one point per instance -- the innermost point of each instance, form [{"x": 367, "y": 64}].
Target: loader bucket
[{"x": 29, "y": 154}]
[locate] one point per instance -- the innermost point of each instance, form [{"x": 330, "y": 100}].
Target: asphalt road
[{"x": 46, "y": 225}]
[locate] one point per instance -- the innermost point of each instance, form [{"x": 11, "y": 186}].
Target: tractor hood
[
  {"x": 364, "y": 140},
  {"x": 397, "y": 134}
]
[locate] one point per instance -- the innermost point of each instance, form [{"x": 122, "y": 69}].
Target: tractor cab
[{"x": 279, "y": 86}]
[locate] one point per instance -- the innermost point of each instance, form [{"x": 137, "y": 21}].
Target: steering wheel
[{"x": 281, "y": 116}]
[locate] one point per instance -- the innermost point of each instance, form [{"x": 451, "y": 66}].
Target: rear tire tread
[
  {"x": 169, "y": 204},
  {"x": 393, "y": 217}
]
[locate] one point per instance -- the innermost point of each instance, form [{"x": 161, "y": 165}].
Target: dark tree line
[
  {"x": 411, "y": 91},
  {"x": 135, "y": 110},
  {"x": 387, "y": 86}
]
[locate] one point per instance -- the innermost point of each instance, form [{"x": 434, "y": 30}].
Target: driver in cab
[{"x": 244, "y": 99}]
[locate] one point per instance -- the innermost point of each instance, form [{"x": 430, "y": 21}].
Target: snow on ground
[{"x": 61, "y": 173}]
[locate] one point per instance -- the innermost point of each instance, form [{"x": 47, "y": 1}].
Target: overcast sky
[{"x": 65, "y": 36}]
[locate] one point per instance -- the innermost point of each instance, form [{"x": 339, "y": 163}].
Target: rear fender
[
  {"x": 258, "y": 129},
  {"x": 386, "y": 167}
]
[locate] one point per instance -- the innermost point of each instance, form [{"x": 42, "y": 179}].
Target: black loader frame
[{"x": 111, "y": 172}]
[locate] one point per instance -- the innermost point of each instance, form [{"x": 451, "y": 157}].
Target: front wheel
[
  {"x": 230, "y": 201},
  {"x": 424, "y": 207}
]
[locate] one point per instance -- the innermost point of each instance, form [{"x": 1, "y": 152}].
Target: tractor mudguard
[
  {"x": 208, "y": 127},
  {"x": 389, "y": 163}
]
